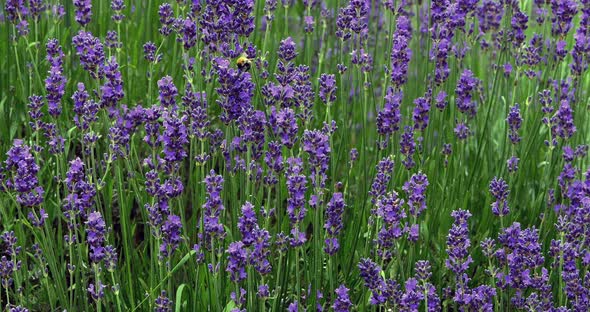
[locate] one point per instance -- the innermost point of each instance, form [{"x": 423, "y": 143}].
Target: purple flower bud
[
  {"x": 166, "y": 18},
  {"x": 462, "y": 131},
  {"x": 512, "y": 164},
  {"x": 35, "y": 113},
  {"x": 287, "y": 50},
  {"x": 117, "y": 6},
  {"x": 83, "y": 11},
  {"x": 563, "y": 14},
  {"x": 309, "y": 24},
  {"x": 296, "y": 188},
  {"x": 16, "y": 10},
  {"x": 175, "y": 137},
  {"x": 86, "y": 110},
  {"x": 342, "y": 302},
  {"x": 149, "y": 52},
  {"x": 328, "y": 88},
  {"x": 163, "y": 304},
  {"x": 441, "y": 100},
  {"x": 519, "y": 26},
  {"x": 36, "y": 8},
  {"x": 112, "y": 40},
  {"x": 353, "y": 18},
  {"x": 490, "y": 16},
  {"x": 96, "y": 291},
  {"x": 389, "y": 208}
]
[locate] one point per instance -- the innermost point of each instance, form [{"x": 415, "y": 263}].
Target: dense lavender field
[{"x": 314, "y": 155}]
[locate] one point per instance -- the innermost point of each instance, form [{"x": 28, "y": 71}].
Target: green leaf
[
  {"x": 71, "y": 131},
  {"x": 178, "y": 297},
  {"x": 230, "y": 306}
]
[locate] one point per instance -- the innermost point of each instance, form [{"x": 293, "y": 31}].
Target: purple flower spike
[
  {"x": 171, "y": 236},
  {"x": 35, "y": 113},
  {"x": 284, "y": 125},
  {"x": 562, "y": 124},
  {"x": 382, "y": 179},
  {"x": 237, "y": 261},
  {"x": 499, "y": 190},
  {"x": 389, "y": 209},
  {"x": 168, "y": 92},
  {"x": 189, "y": 33},
  {"x": 514, "y": 121},
  {"x": 21, "y": 169},
  {"x": 389, "y": 118},
  {"x": 400, "y": 53},
  {"x": 56, "y": 81},
  {"x": 416, "y": 191},
  {"x": 91, "y": 53},
  {"x": 317, "y": 144},
  {"x": 408, "y": 147},
  {"x": 420, "y": 112},
  {"x": 333, "y": 225},
  {"x": 466, "y": 85},
  {"x": 112, "y": 90},
  {"x": 175, "y": 137},
  {"x": 458, "y": 244},
  {"x": 213, "y": 207},
  {"x": 95, "y": 236},
  {"x": 149, "y": 52},
  {"x": 296, "y": 187}
]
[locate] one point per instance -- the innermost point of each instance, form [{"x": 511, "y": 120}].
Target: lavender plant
[{"x": 294, "y": 156}]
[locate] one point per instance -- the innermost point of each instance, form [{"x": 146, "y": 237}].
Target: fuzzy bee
[{"x": 244, "y": 63}]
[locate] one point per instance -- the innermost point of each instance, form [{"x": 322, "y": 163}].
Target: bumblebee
[{"x": 244, "y": 63}]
